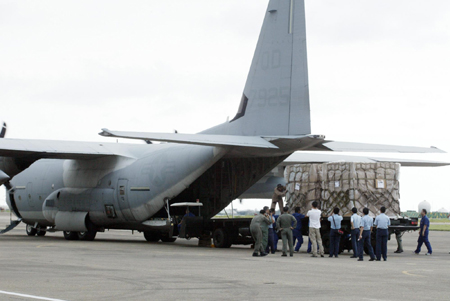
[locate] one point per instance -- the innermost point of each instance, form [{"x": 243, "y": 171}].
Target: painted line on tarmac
[
  {"x": 409, "y": 274},
  {"x": 29, "y": 296},
  {"x": 45, "y": 245}
]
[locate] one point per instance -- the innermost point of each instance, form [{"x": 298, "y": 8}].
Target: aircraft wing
[
  {"x": 375, "y": 148},
  {"x": 198, "y": 139},
  {"x": 259, "y": 145},
  {"x": 40, "y": 149},
  {"x": 303, "y": 157}
]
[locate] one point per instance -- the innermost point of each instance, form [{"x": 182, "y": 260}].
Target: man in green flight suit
[
  {"x": 286, "y": 223},
  {"x": 255, "y": 229},
  {"x": 265, "y": 228}
]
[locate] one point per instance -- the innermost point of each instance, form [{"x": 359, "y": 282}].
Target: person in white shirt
[
  {"x": 315, "y": 216},
  {"x": 356, "y": 223}
]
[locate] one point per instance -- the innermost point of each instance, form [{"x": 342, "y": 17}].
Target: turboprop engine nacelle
[{"x": 68, "y": 208}]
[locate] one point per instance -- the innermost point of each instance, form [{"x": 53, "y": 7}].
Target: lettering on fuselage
[
  {"x": 271, "y": 97},
  {"x": 271, "y": 59}
]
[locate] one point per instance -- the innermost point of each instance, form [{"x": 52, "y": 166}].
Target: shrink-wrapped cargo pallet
[{"x": 344, "y": 185}]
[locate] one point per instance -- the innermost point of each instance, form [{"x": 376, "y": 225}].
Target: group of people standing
[
  {"x": 289, "y": 228},
  {"x": 266, "y": 239},
  {"x": 362, "y": 231}
]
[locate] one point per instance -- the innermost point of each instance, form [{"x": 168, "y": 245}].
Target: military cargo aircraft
[{"x": 82, "y": 188}]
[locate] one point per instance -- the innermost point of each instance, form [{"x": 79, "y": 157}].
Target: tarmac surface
[{"x": 121, "y": 266}]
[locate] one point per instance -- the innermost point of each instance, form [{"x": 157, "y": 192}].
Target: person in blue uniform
[
  {"x": 271, "y": 243},
  {"x": 188, "y": 214},
  {"x": 423, "y": 233},
  {"x": 365, "y": 231},
  {"x": 276, "y": 238},
  {"x": 335, "y": 224},
  {"x": 355, "y": 221},
  {"x": 297, "y": 232},
  {"x": 382, "y": 222}
]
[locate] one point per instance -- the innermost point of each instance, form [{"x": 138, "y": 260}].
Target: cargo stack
[{"x": 344, "y": 185}]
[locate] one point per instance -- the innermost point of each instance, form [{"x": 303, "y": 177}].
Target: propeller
[
  {"x": 13, "y": 224},
  {"x": 4, "y": 180},
  {"x": 3, "y": 130},
  {"x": 3, "y": 177}
]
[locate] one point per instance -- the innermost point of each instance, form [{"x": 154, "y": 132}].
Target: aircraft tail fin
[{"x": 276, "y": 95}]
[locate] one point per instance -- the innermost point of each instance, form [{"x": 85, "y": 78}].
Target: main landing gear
[
  {"x": 32, "y": 231},
  {"x": 88, "y": 235},
  {"x": 155, "y": 237}
]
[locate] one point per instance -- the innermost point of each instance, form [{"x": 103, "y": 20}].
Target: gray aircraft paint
[
  {"x": 61, "y": 183},
  {"x": 166, "y": 171},
  {"x": 85, "y": 181},
  {"x": 277, "y": 83}
]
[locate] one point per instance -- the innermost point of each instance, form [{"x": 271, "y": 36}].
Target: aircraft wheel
[
  {"x": 88, "y": 235},
  {"x": 31, "y": 231},
  {"x": 41, "y": 233},
  {"x": 69, "y": 235},
  {"x": 168, "y": 239},
  {"x": 152, "y": 236}
]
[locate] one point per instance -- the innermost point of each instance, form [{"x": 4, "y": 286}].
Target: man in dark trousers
[
  {"x": 335, "y": 225},
  {"x": 297, "y": 232},
  {"x": 285, "y": 224},
  {"x": 271, "y": 245},
  {"x": 365, "y": 235},
  {"x": 382, "y": 222},
  {"x": 255, "y": 229},
  {"x": 423, "y": 233},
  {"x": 355, "y": 221},
  {"x": 276, "y": 238}
]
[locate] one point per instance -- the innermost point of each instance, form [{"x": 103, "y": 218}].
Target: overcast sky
[{"x": 379, "y": 72}]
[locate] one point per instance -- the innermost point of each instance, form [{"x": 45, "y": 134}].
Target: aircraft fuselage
[{"x": 113, "y": 189}]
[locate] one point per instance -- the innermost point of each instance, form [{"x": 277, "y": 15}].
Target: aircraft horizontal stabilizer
[
  {"x": 304, "y": 157},
  {"x": 375, "y": 148},
  {"x": 197, "y": 139}
]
